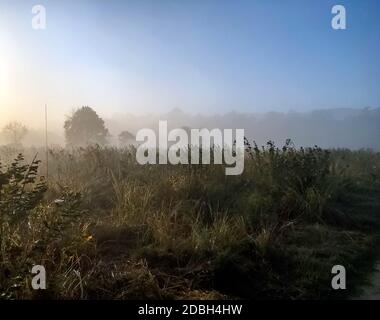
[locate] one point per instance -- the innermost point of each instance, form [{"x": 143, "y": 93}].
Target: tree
[
  {"x": 85, "y": 128},
  {"x": 15, "y": 132},
  {"x": 126, "y": 138}
]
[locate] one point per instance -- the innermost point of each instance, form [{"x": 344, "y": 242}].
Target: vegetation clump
[{"x": 106, "y": 227}]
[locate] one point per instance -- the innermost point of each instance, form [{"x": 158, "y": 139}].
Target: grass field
[{"x": 106, "y": 227}]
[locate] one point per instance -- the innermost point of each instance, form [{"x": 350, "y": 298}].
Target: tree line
[{"x": 83, "y": 128}]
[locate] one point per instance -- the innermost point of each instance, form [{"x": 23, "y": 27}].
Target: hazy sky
[{"x": 198, "y": 55}]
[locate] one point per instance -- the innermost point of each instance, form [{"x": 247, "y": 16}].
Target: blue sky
[{"x": 208, "y": 56}]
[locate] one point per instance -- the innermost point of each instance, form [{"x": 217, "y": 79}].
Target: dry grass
[{"x": 124, "y": 231}]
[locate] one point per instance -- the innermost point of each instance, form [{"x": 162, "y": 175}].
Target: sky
[{"x": 202, "y": 56}]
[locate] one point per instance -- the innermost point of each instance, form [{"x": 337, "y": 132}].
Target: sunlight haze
[{"x": 142, "y": 57}]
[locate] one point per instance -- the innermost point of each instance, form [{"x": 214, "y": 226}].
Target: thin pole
[{"x": 46, "y": 143}]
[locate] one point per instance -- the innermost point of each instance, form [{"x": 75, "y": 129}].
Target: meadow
[{"x": 106, "y": 227}]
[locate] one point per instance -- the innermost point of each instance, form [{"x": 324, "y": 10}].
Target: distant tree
[
  {"x": 15, "y": 132},
  {"x": 85, "y": 128},
  {"x": 126, "y": 138}
]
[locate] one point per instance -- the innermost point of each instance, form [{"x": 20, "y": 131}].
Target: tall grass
[{"x": 107, "y": 227}]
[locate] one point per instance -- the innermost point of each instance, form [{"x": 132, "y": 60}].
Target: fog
[{"x": 329, "y": 128}]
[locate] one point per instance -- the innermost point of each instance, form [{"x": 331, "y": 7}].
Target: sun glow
[
  {"x": 3, "y": 73},
  {"x": 4, "y": 79},
  {"x": 4, "y": 112}
]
